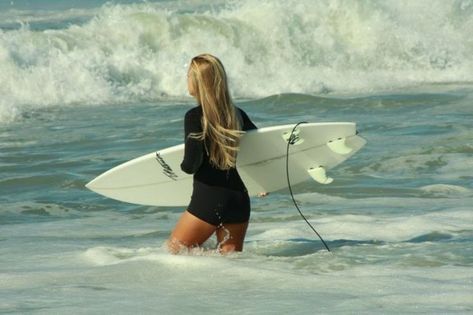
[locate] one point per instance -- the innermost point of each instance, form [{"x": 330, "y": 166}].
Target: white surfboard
[{"x": 156, "y": 178}]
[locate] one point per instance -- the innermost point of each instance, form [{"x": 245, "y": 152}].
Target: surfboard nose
[
  {"x": 90, "y": 185},
  {"x": 94, "y": 185}
]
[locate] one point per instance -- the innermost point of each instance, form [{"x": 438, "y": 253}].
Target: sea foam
[{"x": 121, "y": 53}]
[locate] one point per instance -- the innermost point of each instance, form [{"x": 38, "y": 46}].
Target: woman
[{"x": 220, "y": 203}]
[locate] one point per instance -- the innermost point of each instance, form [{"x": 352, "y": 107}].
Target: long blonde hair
[{"x": 220, "y": 122}]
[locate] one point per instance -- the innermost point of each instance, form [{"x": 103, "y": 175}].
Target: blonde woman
[{"x": 219, "y": 202}]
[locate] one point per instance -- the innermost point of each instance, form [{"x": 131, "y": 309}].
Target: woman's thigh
[{"x": 190, "y": 231}]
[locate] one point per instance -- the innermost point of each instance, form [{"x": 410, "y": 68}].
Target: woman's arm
[{"x": 193, "y": 148}]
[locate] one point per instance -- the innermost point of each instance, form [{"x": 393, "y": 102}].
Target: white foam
[
  {"x": 197, "y": 258},
  {"x": 445, "y": 165},
  {"x": 139, "y": 52},
  {"x": 446, "y": 190},
  {"x": 318, "y": 198},
  {"x": 367, "y": 228},
  {"x": 8, "y": 112},
  {"x": 105, "y": 255}
]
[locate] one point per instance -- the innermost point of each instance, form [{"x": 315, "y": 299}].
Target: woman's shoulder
[{"x": 194, "y": 112}]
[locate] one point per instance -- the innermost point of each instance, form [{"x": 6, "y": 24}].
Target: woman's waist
[{"x": 224, "y": 179}]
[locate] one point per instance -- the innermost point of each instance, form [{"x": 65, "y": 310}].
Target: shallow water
[{"x": 398, "y": 216}]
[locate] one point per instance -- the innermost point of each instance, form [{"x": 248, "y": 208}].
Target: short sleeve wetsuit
[{"x": 219, "y": 196}]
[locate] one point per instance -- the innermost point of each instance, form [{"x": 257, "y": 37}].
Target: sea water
[{"x": 87, "y": 85}]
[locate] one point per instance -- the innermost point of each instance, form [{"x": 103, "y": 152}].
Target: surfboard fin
[
  {"x": 294, "y": 139},
  {"x": 319, "y": 175},
  {"x": 339, "y": 146}
]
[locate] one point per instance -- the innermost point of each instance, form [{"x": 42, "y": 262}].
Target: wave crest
[{"x": 140, "y": 51}]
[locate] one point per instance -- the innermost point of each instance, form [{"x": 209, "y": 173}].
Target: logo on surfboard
[{"x": 167, "y": 170}]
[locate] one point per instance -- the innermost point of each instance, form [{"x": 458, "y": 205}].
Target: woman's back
[{"x": 196, "y": 158}]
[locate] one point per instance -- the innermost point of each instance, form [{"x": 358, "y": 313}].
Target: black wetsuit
[{"x": 219, "y": 196}]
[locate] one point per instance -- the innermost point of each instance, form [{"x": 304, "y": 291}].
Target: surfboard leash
[{"x": 290, "y": 141}]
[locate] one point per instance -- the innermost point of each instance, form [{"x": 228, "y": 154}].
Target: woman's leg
[
  {"x": 230, "y": 237},
  {"x": 190, "y": 231}
]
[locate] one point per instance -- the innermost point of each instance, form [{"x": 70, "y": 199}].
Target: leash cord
[{"x": 290, "y": 141}]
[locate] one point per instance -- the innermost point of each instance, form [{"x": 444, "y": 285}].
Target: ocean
[{"x": 87, "y": 85}]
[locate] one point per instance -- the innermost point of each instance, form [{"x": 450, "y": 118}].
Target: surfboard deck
[{"x": 156, "y": 178}]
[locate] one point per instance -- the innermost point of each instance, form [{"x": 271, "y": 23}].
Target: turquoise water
[{"x": 87, "y": 86}]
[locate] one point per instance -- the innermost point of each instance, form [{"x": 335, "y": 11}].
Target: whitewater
[{"x": 87, "y": 85}]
